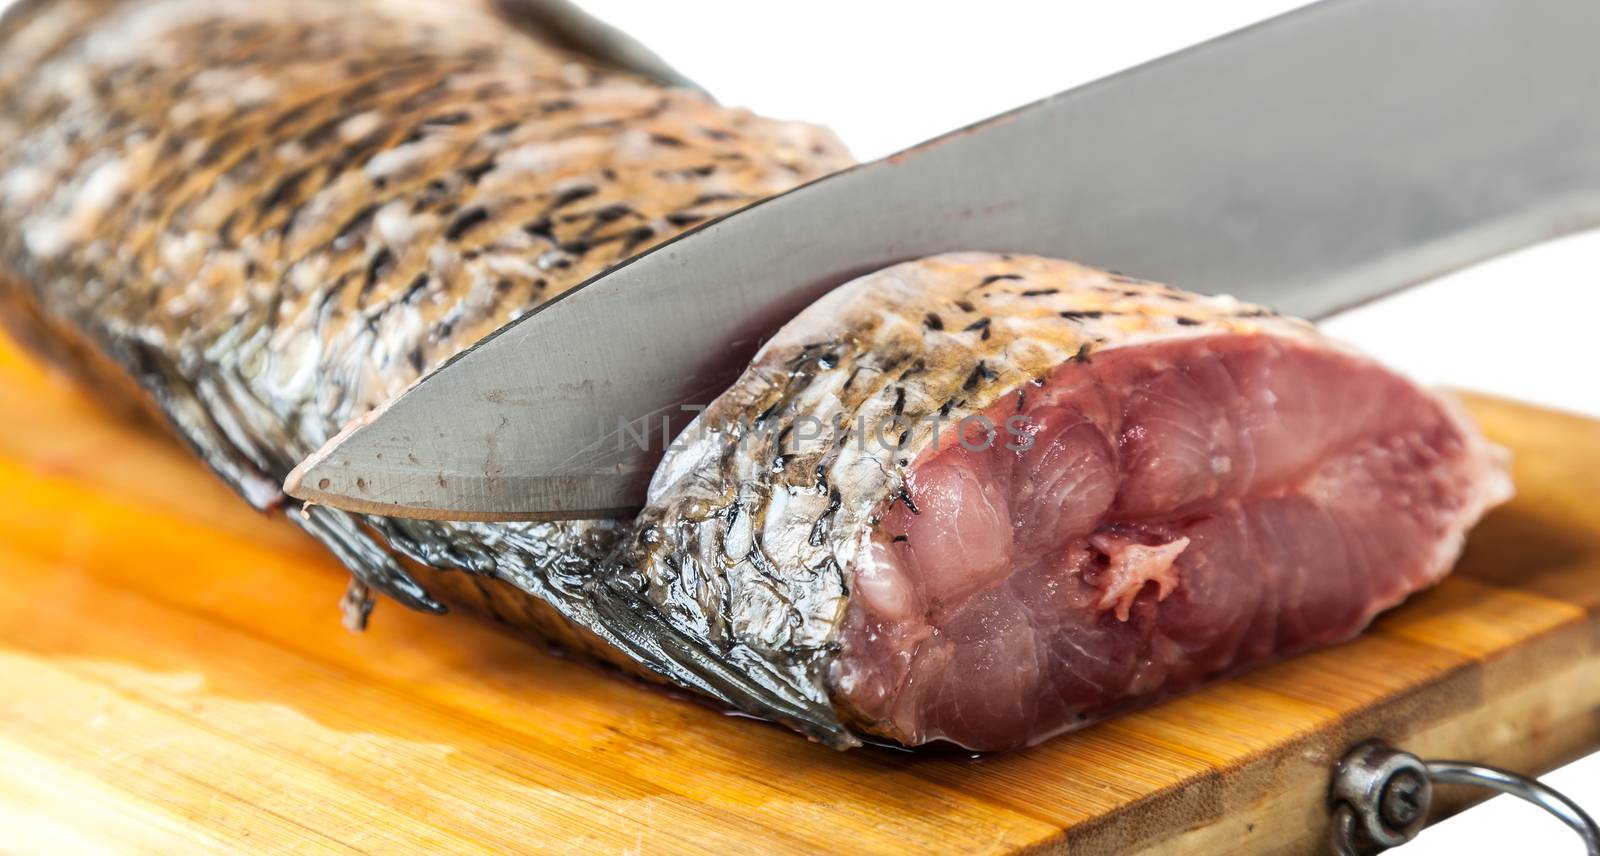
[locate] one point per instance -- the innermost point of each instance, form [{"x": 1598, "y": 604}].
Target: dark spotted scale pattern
[{"x": 275, "y": 216}]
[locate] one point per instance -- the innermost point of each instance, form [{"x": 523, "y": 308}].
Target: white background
[{"x": 886, "y": 74}]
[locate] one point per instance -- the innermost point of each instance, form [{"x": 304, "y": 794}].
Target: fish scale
[
  {"x": 273, "y": 217},
  {"x": 860, "y": 358}
]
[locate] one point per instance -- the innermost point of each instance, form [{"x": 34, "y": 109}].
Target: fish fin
[
  {"x": 371, "y": 564},
  {"x": 437, "y": 544}
]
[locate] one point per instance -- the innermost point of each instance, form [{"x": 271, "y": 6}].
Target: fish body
[
  {"x": 266, "y": 219},
  {"x": 262, "y": 221}
]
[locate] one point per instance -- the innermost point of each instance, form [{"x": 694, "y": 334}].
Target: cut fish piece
[{"x": 1092, "y": 491}]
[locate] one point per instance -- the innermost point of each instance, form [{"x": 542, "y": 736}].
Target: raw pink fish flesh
[{"x": 1182, "y": 509}]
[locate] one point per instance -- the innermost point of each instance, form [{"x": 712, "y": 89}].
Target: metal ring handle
[
  {"x": 1381, "y": 796},
  {"x": 1530, "y": 790}
]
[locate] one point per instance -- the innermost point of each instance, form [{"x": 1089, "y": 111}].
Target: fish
[
  {"x": 252, "y": 223},
  {"x": 255, "y": 223},
  {"x": 994, "y": 498}
]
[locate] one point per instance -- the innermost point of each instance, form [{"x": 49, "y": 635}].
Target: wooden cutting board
[{"x": 174, "y": 679}]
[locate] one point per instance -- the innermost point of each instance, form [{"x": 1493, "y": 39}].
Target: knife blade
[{"x": 1311, "y": 162}]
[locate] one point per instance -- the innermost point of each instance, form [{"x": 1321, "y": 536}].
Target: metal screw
[
  {"x": 1387, "y": 790},
  {"x": 1404, "y": 800}
]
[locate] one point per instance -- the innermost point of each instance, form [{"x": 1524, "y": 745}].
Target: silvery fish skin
[
  {"x": 273, "y": 217},
  {"x": 987, "y": 499}
]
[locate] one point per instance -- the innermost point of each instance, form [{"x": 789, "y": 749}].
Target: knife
[{"x": 1311, "y": 162}]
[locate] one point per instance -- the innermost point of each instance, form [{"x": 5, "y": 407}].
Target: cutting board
[{"x": 174, "y": 679}]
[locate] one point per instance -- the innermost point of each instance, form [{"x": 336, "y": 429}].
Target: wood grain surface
[{"x": 174, "y": 679}]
